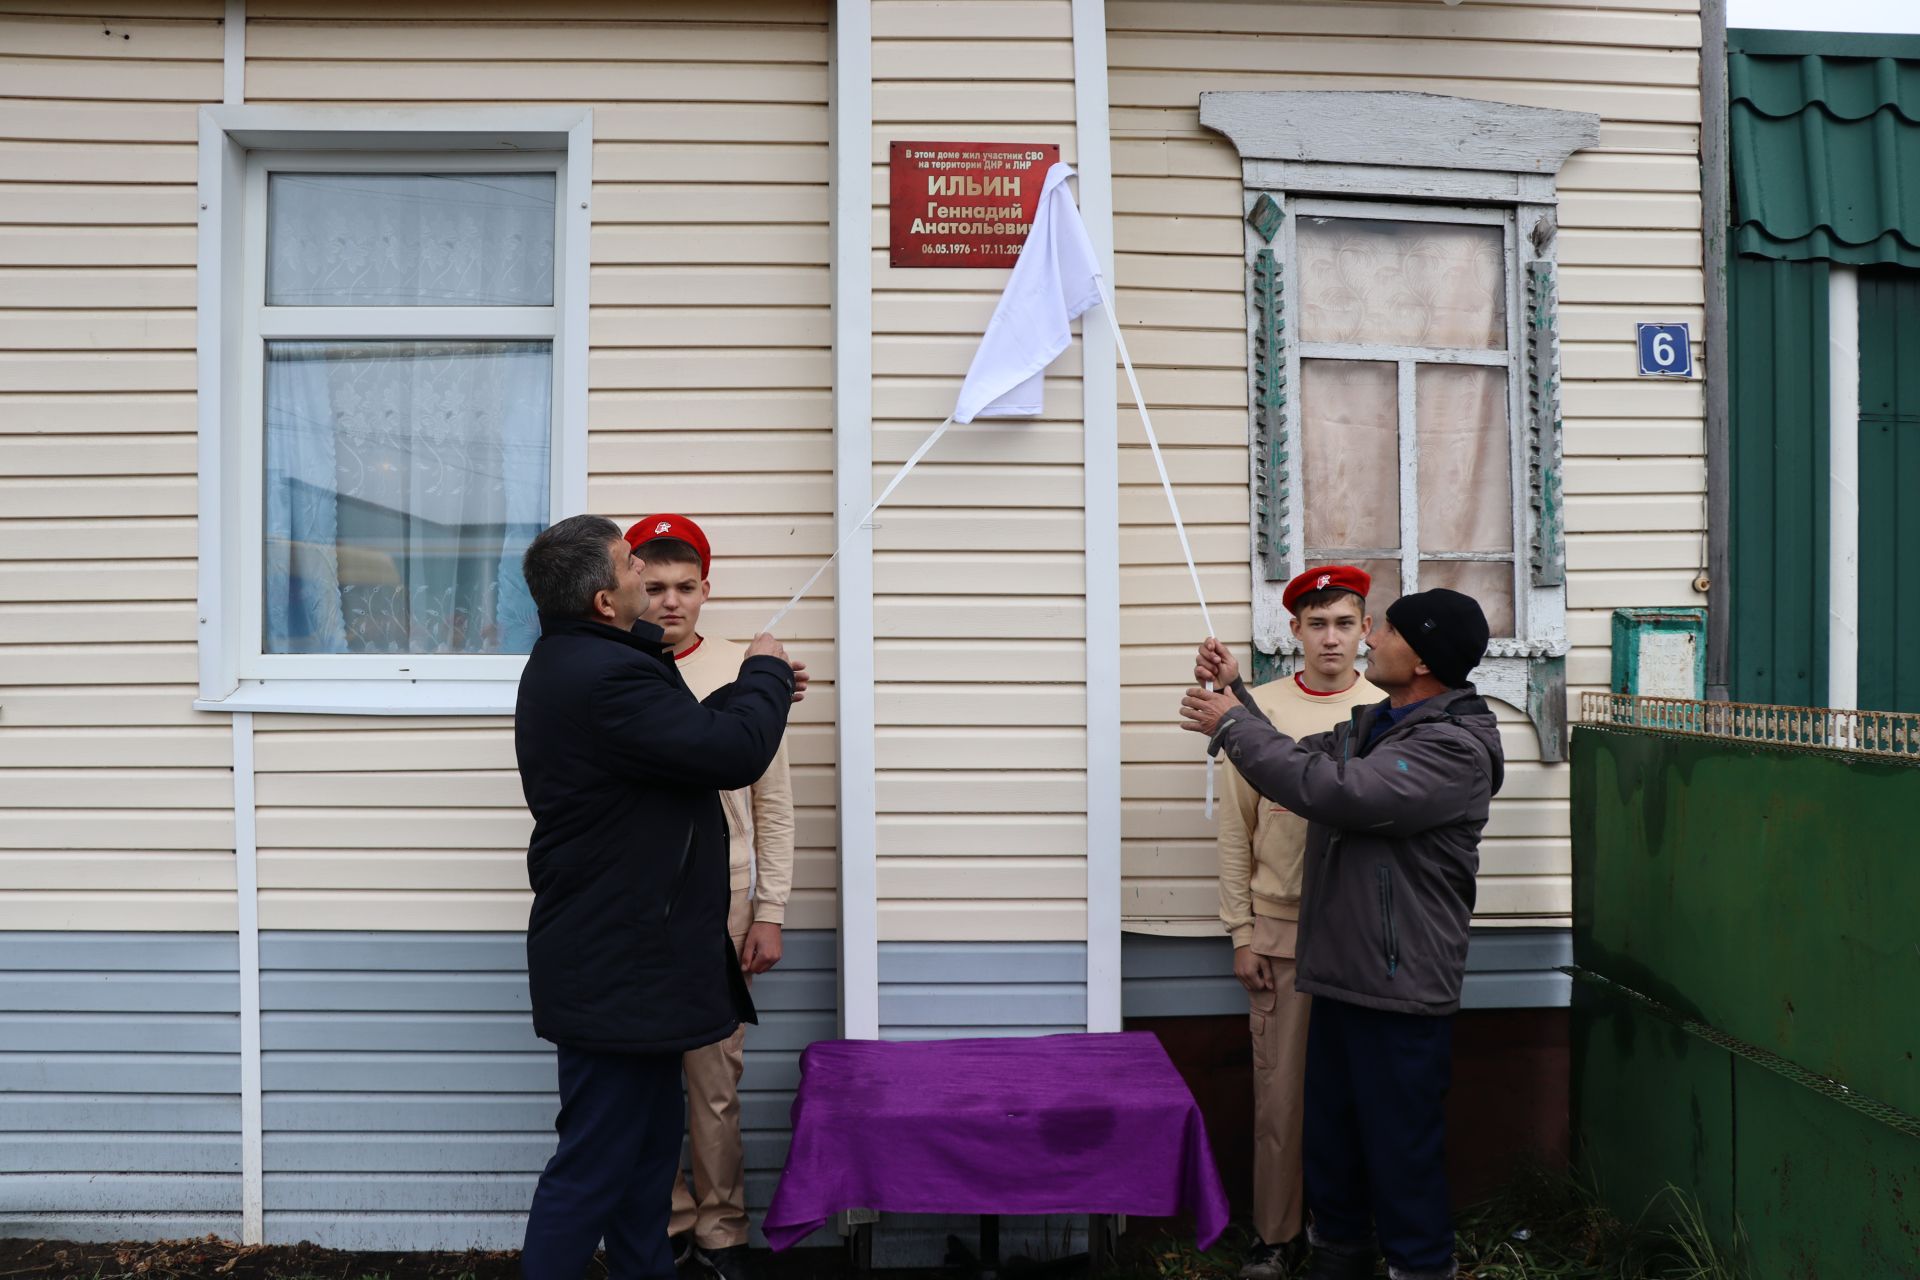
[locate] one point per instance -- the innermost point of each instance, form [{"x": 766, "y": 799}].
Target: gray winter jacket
[{"x": 1393, "y": 843}]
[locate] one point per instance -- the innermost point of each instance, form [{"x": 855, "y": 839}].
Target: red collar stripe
[{"x": 1315, "y": 693}]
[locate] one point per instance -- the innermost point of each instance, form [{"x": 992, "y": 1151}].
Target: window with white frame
[
  {"x": 399, "y": 337},
  {"x": 399, "y": 381},
  {"x": 1403, "y": 362},
  {"x": 1408, "y": 328}
]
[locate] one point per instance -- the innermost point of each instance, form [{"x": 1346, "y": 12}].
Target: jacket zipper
[
  {"x": 1389, "y": 936},
  {"x": 679, "y": 876}
]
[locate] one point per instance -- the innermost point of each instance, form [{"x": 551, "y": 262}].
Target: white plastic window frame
[
  {"x": 239, "y": 146},
  {"x": 1539, "y": 611},
  {"x": 1406, "y": 360}
]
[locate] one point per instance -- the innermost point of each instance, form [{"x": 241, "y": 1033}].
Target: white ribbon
[
  {"x": 1159, "y": 462},
  {"x": 861, "y": 523},
  {"x": 1166, "y": 486}
]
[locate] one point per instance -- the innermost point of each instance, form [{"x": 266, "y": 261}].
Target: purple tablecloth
[{"x": 1050, "y": 1124}]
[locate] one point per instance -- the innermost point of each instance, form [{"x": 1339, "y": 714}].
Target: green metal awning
[{"x": 1825, "y": 134}]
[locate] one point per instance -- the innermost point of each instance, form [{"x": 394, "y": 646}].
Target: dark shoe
[
  {"x": 1447, "y": 1272},
  {"x": 682, "y": 1246},
  {"x": 1262, "y": 1262},
  {"x": 1271, "y": 1261},
  {"x": 1332, "y": 1262},
  {"x": 729, "y": 1263}
]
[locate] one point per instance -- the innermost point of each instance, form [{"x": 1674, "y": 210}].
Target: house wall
[
  {"x": 709, "y": 394},
  {"x": 115, "y": 796},
  {"x": 119, "y": 984},
  {"x": 119, "y": 1084},
  {"x": 405, "y": 1102},
  {"x": 1629, "y": 250},
  {"x": 391, "y": 850},
  {"x": 978, "y": 578}
]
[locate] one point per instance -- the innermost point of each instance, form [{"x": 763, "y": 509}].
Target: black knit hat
[{"x": 1445, "y": 628}]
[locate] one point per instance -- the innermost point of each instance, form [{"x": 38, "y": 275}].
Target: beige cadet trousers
[
  {"x": 715, "y": 1209},
  {"x": 1278, "y": 1020}
]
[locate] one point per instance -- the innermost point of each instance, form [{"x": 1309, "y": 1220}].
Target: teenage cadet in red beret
[
  {"x": 709, "y": 1224},
  {"x": 1261, "y": 845}
]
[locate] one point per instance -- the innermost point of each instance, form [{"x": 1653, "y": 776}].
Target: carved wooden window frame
[{"x": 1433, "y": 152}]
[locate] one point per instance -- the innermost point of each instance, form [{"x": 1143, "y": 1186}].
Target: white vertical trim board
[
  {"x": 246, "y": 868},
  {"x": 217, "y": 295},
  {"x": 574, "y": 275},
  {"x": 1843, "y": 486},
  {"x": 1100, "y": 415},
  {"x": 851, "y": 139},
  {"x": 233, "y": 54}
]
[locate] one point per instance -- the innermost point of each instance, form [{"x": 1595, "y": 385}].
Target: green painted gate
[
  {"x": 1747, "y": 1026},
  {"x": 1778, "y": 538},
  {"x": 1824, "y": 138},
  {"x": 1889, "y": 479}
]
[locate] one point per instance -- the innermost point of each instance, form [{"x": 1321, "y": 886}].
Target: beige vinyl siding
[
  {"x": 1629, "y": 250},
  {"x": 709, "y": 394},
  {"x": 979, "y": 582},
  {"x": 116, "y": 798}
]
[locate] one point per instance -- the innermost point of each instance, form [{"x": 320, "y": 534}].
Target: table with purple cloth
[{"x": 1066, "y": 1124}]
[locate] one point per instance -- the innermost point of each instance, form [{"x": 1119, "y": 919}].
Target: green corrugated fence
[{"x": 1747, "y": 928}]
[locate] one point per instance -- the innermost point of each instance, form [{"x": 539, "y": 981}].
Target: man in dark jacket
[
  {"x": 1396, "y": 799},
  {"x": 628, "y": 957}
]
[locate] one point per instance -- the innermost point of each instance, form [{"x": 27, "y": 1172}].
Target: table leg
[
  {"x": 989, "y": 1244},
  {"x": 860, "y": 1247},
  {"x": 1103, "y": 1239}
]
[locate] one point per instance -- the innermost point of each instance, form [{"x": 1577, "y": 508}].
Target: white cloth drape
[{"x": 1055, "y": 280}]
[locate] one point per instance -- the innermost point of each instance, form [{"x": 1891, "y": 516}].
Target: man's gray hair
[{"x": 567, "y": 564}]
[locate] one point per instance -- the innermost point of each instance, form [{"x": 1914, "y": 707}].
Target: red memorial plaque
[{"x": 964, "y": 204}]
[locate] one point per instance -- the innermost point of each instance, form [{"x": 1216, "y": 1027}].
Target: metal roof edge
[{"x": 1826, "y": 44}]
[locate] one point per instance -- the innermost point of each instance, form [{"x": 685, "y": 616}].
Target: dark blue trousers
[
  {"x": 621, "y": 1116},
  {"x": 1375, "y": 1127}
]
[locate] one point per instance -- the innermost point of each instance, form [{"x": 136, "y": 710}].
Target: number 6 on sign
[{"x": 1666, "y": 350}]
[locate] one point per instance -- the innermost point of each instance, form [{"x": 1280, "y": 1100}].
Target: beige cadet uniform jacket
[
  {"x": 1262, "y": 845},
  {"x": 760, "y": 817}
]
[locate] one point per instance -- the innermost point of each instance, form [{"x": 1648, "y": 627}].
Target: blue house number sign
[{"x": 1665, "y": 351}]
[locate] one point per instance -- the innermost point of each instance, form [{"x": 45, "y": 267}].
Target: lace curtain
[
  {"x": 1393, "y": 284},
  {"x": 404, "y": 481},
  {"x": 410, "y": 240}
]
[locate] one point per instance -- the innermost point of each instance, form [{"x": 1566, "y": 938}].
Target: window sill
[{"x": 369, "y": 697}]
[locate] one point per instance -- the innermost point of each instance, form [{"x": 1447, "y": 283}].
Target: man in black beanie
[{"x": 1395, "y": 799}]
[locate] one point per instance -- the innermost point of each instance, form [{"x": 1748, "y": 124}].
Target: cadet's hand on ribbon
[
  {"x": 1215, "y": 664},
  {"x": 1201, "y": 711}
]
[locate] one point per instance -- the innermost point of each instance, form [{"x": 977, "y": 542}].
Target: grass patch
[{"x": 1543, "y": 1226}]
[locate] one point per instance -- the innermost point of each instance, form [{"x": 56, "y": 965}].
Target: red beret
[
  {"x": 666, "y": 525},
  {"x": 1330, "y": 577}
]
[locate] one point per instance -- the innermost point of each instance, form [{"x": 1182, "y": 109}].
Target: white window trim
[
  {"x": 1406, "y": 359},
  {"x": 230, "y": 139},
  {"x": 1297, "y": 146}
]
